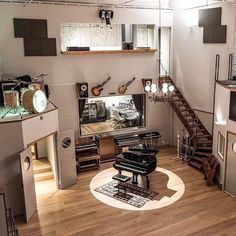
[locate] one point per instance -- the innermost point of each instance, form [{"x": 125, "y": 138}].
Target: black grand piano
[{"x": 138, "y": 163}]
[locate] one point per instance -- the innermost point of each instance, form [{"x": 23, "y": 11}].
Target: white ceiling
[
  {"x": 143, "y": 4},
  {"x": 116, "y": 3}
]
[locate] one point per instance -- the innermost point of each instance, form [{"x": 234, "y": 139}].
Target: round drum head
[
  {"x": 34, "y": 101},
  {"x": 11, "y": 98},
  {"x": 39, "y": 101}
]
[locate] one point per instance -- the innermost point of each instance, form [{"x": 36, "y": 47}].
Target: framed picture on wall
[{"x": 221, "y": 145}]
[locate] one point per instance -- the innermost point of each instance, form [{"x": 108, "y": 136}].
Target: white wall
[
  {"x": 194, "y": 61},
  {"x": 65, "y": 71},
  {"x": 42, "y": 148}
]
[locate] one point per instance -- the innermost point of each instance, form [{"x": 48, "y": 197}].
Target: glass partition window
[
  {"x": 99, "y": 37},
  {"x": 221, "y": 145},
  {"x": 109, "y": 114},
  {"x": 94, "y": 36}
]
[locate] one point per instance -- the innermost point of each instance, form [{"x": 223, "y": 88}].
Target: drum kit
[{"x": 29, "y": 96}]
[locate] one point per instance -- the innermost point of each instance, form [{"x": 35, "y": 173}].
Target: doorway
[
  {"x": 44, "y": 163},
  {"x": 230, "y": 177}
]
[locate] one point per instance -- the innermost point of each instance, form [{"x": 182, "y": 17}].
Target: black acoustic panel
[
  {"x": 22, "y": 28},
  {"x": 39, "y": 29},
  {"x": 30, "y": 28},
  {"x": 210, "y": 17},
  {"x": 32, "y": 46},
  {"x": 214, "y": 34},
  {"x": 232, "y": 106},
  {"x": 48, "y": 47},
  {"x": 40, "y": 47}
]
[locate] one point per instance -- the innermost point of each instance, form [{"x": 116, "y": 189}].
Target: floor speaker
[{"x": 83, "y": 90}]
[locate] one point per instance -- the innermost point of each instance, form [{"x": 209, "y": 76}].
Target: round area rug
[{"x": 169, "y": 186}]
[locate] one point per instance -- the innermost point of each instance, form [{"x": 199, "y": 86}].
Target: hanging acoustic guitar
[
  {"x": 122, "y": 89},
  {"x": 96, "y": 91}
]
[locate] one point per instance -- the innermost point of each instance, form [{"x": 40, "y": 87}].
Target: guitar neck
[
  {"x": 130, "y": 82},
  {"x": 103, "y": 83}
]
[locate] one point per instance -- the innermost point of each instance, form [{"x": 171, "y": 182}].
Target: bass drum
[{"x": 34, "y": 101}]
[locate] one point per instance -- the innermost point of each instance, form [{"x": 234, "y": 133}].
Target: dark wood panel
[
  {"x": 210, "y": 17},
  {"x": 214, "y": 34},
  {"x": 30, "y": 28}
]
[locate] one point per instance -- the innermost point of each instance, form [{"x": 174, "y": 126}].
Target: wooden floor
[{"x": 201, "y": 211}]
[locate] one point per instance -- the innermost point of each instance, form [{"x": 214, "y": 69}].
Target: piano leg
[
  {"x": 148, "y": 182},
  {"x": 135, "y": 179}
]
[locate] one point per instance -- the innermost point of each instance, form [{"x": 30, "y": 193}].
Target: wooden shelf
[{"x": 109, "y": 52}]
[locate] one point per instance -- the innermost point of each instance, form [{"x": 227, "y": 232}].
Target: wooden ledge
[{"x": 109, "y": 52}]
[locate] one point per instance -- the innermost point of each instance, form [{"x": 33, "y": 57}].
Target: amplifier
[{"x": 69, "y": 49}]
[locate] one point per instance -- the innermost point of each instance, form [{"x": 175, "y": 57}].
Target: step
[
  {"x": 204, "y": 136},
  {"x": 203, "y": 141},
  {"x": 204, "y": 148},
  {"x": 185, "y": 109},
  {"x": 43, "y": 176},
  {"x": 177, "y": 100},
  {"x": 197, "y": 165},
  {"x": 207, "y": 154},
  {"x": 42, "y": 169},
  {"x": 182, "y": 104},
  {"x": 201, "y": 130}
]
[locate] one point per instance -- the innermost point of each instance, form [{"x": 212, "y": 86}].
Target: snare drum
[
  {"x": 11, "y": 98},
  {"x": 34, "y": 86},
  {"x": 34, "y": 101}
]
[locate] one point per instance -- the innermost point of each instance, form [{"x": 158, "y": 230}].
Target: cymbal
[{"x": 42, "y": 75}]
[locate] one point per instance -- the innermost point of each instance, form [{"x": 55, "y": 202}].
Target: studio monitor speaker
[
  {"x": 83, "y": 90},
  {"x": 147, "y": 82}
]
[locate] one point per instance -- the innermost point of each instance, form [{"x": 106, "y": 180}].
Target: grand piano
[{"x": 138, "y": 163}]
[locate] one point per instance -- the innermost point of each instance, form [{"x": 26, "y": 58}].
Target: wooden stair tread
[
  {"x": 203, "y": 153},
  {"x": 204, "y": 148},
  {"x": 204, "y": 141}
]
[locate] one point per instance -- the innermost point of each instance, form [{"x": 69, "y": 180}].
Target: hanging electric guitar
[
  {"x": 122, "y": 89},
  {"x": 96, "y": 91}
]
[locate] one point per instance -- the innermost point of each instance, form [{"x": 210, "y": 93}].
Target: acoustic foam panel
[
  {"x": 214, "y": 34},
  {"x": 209, "y": 17},
  {"x": 40, "y": 47},
  {"x": 30, "y": 28}
]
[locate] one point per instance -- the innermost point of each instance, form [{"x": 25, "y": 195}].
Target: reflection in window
[
  {"x": 94, "y": 36},
  {"x": 107, "y": 114},
  {"x": 221, "y": 145}
]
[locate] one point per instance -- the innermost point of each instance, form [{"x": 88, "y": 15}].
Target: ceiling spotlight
[
  {"x": 171, "y": 88},
  {"x": 106, "y": 15}
]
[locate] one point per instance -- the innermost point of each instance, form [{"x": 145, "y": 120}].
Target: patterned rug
[{"x": 135, "y": 195}]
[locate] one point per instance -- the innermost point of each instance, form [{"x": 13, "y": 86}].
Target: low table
[{"x": 121, "y": 179}]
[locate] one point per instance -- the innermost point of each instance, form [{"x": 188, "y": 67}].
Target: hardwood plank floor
[{"x": 201, "y": 211}]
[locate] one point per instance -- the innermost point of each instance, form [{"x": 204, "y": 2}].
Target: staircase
[
  {"x": 42, "y": 170},
  {"x": 202, "y": 139}
]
